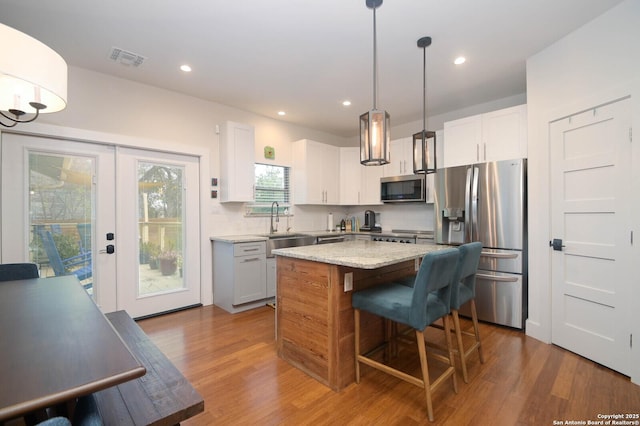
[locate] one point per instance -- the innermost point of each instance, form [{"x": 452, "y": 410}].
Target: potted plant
[
  {"x": 145, "y": 252},
  {"x": 152, "y": 251},
  {"x": 168, "y": 262}
]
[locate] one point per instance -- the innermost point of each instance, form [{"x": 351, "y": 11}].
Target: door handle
[
  {"x": 498, "y": 278},
  {"x": 500, "y": 255},
  {"x": 556, "y": 243},
  {"x": 110, "y": 249}
]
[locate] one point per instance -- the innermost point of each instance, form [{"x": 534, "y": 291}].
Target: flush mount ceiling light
[
  {"x": 33, "y": 78},
  {"x": 424, "y": 142},
  {"x": 374, "y": 124}
]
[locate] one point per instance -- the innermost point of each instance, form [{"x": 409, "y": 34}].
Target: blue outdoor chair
[
  {"x": 79, "y": 265},
  {"x": 417, "y": 306},
  {"x": 84, "y": 231}
]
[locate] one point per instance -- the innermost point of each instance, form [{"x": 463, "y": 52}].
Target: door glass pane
[
  {"x": 160, "y": 219},
  {"x": 61, "y": 214}
]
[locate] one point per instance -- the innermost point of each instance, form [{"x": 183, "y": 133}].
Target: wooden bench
[{"x": 161, "y": 397}]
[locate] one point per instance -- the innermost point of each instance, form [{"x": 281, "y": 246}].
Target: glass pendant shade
[
  {"x": 374, "y": 138},
  {"x": 424, "y": 148}
]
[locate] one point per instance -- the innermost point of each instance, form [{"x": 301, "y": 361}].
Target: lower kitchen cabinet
[{"x": 239, "y": 275}]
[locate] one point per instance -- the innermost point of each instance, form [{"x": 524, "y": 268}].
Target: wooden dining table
[{"x": 55, "y": 346}]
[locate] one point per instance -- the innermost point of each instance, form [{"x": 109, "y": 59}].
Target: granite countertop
[
  {"x": 360, "y": 254},
  {"x": 238, "y": 238},
  {"x": 263, "y": 237}
]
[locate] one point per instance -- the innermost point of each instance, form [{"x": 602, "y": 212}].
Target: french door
[
  {"x": 592, "y": 267},
  {"x": 159, "y": 206},
  {"x": 68, "y": 208}
]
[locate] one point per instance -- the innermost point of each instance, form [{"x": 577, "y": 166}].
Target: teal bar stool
[
  {"x": 464, "y": 291},
  {"x": 418, "y": 306}
]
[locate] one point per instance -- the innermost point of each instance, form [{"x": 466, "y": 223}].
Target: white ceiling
[{"x": 305, "y": 57}]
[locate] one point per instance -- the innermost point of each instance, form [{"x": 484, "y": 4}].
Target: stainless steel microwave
[{"x": 402, "y": 189}]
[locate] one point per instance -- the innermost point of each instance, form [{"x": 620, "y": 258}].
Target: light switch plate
[{"x": 348, "y": 281}]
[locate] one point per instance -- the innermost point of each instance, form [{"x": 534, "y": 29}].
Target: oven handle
[{"x": 499, "y": 278}]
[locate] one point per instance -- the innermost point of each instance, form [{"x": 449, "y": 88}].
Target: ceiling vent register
[{"x": 125, "y": 57}]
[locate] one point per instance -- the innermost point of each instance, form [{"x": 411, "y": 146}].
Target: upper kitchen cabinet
[
  {"x": 316, "y": 173},
  {"x": 359, "y": 185},
  {"x": 237, "y": 158},
  {"x": 400, "y": 158},
  {"x": 497, "y": 135}
]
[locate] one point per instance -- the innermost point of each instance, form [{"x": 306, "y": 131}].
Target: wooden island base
[{"x": 314, "y": 319}]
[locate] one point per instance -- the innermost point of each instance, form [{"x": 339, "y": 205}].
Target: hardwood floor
[{"x": 231, "y": 360}]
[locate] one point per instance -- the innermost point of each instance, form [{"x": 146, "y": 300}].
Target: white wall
[{"x": 595, "y": 64}]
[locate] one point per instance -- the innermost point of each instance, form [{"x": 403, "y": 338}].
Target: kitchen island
[{"x": 314, "y": 317}]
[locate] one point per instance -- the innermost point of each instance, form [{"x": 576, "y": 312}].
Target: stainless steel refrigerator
[{"x": 487, "y": 202}]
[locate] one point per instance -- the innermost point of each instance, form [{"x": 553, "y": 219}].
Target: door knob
[
  {"x": 556, "y": 244},
  {"x": 110, "y": 249}
]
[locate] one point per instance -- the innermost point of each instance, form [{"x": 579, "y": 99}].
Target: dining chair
[
  {"x": 18, "y": 271},
  {"x": 55, "y": 421},
  {"x": 463, "y": 291},
  {"x": 418, "y": 306}
]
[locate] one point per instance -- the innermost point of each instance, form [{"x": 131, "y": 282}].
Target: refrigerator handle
[
  {"x": 467, "y": 206},
  {"x": 475, "y": 236}
]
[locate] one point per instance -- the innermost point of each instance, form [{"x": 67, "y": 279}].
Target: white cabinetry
[
  {"x": 400, "y": 158},
  {"x": 316, "y": 171},
  {"x": 494, "y": 136},
  {"x": 237, "y": 158},
  {"x": 239, "y": 275},
  {"x": 359, "y": 185}
]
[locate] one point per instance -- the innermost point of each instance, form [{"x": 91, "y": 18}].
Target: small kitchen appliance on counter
[{"x": 370, "y": 222}]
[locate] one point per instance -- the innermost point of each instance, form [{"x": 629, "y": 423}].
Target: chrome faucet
[{"x": 274, "y": 229}]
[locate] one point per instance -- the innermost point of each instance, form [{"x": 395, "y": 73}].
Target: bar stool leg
[
  {"x": 425, "y": 372},
  {"x": 356, "y": 317},
  {"x": 458, "y": 331},
  {"x": 476, "y": 330},
  {"x": 450, "y": 350}
]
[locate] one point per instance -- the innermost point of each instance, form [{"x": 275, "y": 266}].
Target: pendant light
[
  {"x": 424, "y": 142},
  {"x": 33, "y": 78},
  {"x": 374, "y": 124}
]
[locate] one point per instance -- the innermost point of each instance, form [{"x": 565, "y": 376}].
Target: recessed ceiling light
[
  {"x": 460, "y": 60},
  {"x": 346, "y": 103},
  {"x": 281, "y": 113},
  {"x": 185, "y": 68}
]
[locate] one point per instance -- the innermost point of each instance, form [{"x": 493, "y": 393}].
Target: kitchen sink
[{"x": 276, "y": 241}]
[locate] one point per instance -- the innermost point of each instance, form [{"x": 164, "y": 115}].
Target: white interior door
[
  {"x": 158, "y": 214},
  {"x": 592, "y": 273}
]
